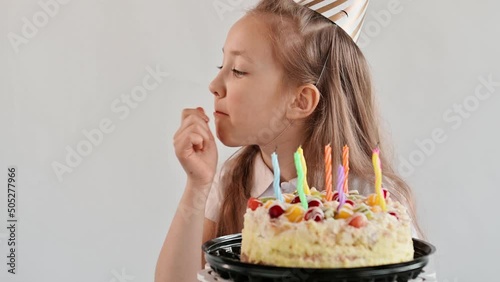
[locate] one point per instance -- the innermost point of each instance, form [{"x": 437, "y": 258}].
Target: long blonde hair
[{"x": 304, "y": 44}]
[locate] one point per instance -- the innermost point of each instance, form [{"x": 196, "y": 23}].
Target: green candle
[{"x": 300, "y": 180}]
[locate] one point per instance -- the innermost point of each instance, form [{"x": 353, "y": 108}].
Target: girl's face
[{"x": 249, "y": 100}]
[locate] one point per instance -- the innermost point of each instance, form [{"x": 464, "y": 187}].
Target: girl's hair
[{"x": 304, "y": 42}]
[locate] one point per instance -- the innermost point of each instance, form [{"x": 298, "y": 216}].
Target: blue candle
[{"x": 276, "y": 183}]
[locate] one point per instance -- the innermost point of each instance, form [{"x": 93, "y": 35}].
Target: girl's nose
[{"x": 216, "y": 87}]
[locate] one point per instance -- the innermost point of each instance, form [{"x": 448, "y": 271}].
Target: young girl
[{"x": 289, "y": 78}]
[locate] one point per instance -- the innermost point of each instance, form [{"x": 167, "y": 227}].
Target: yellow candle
[
  {"x": 378, "y": 179},
  {"x": 307, "y": 191}
]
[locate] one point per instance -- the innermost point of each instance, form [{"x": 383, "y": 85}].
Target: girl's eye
[{"x": 237, "y": 72}]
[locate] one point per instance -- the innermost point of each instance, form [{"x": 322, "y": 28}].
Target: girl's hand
[{"x": 195, "y": 147}]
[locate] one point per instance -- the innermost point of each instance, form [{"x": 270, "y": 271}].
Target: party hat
[{"x": 347, "y": 14}]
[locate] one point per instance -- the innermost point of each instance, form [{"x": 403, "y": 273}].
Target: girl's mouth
[{"x": 218, "y": 113}]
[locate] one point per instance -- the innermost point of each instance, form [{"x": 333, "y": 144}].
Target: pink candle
[{"x": 340, "y": 186}]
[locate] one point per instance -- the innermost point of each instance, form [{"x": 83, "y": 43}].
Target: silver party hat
[{"x": 347, "y": 14}]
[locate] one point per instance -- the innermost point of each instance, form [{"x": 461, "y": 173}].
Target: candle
[
  {"x": 300, "y": 180},
  {"x": 276, "y": 183},
  {"x": 304, "y": 168},
  {"x": 328, "y": 172},
  {"x": 345, "y": 164},
  {"x": 340, "y": 186},
  {"x": 378, "y": 178}
]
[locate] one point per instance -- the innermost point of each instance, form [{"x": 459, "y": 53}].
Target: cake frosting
[{"x": 357, "y": 234}]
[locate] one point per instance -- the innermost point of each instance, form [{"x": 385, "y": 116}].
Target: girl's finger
[
  {"x": 196, "y": 126},
  {"x": 189, "y": 120}
]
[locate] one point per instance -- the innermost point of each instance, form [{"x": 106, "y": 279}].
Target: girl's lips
[{"x": 217, "y": 113}]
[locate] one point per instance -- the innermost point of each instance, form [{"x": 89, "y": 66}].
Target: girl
[{"x": 289, "y": 77}]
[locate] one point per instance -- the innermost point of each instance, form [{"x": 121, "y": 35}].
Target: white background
[{"x": 108, "y": 217}]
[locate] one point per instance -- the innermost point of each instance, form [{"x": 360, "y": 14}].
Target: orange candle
[
  {"x": 345, "y": 164},
  {"x": 328, "y": 172}
]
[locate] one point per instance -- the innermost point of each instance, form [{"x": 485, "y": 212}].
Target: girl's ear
[{"x": 304, "y": 102}]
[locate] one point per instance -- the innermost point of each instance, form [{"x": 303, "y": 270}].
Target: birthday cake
[{"x": 357, "y": 234}]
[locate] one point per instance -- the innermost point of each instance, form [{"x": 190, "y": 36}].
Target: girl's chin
[{"x": 228, "y": 141}]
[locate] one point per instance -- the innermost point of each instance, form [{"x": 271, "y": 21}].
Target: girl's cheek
[{"x": 235, "y": 100}]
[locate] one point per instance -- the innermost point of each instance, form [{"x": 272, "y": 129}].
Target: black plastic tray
[{"x": 223, "y": 256}]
